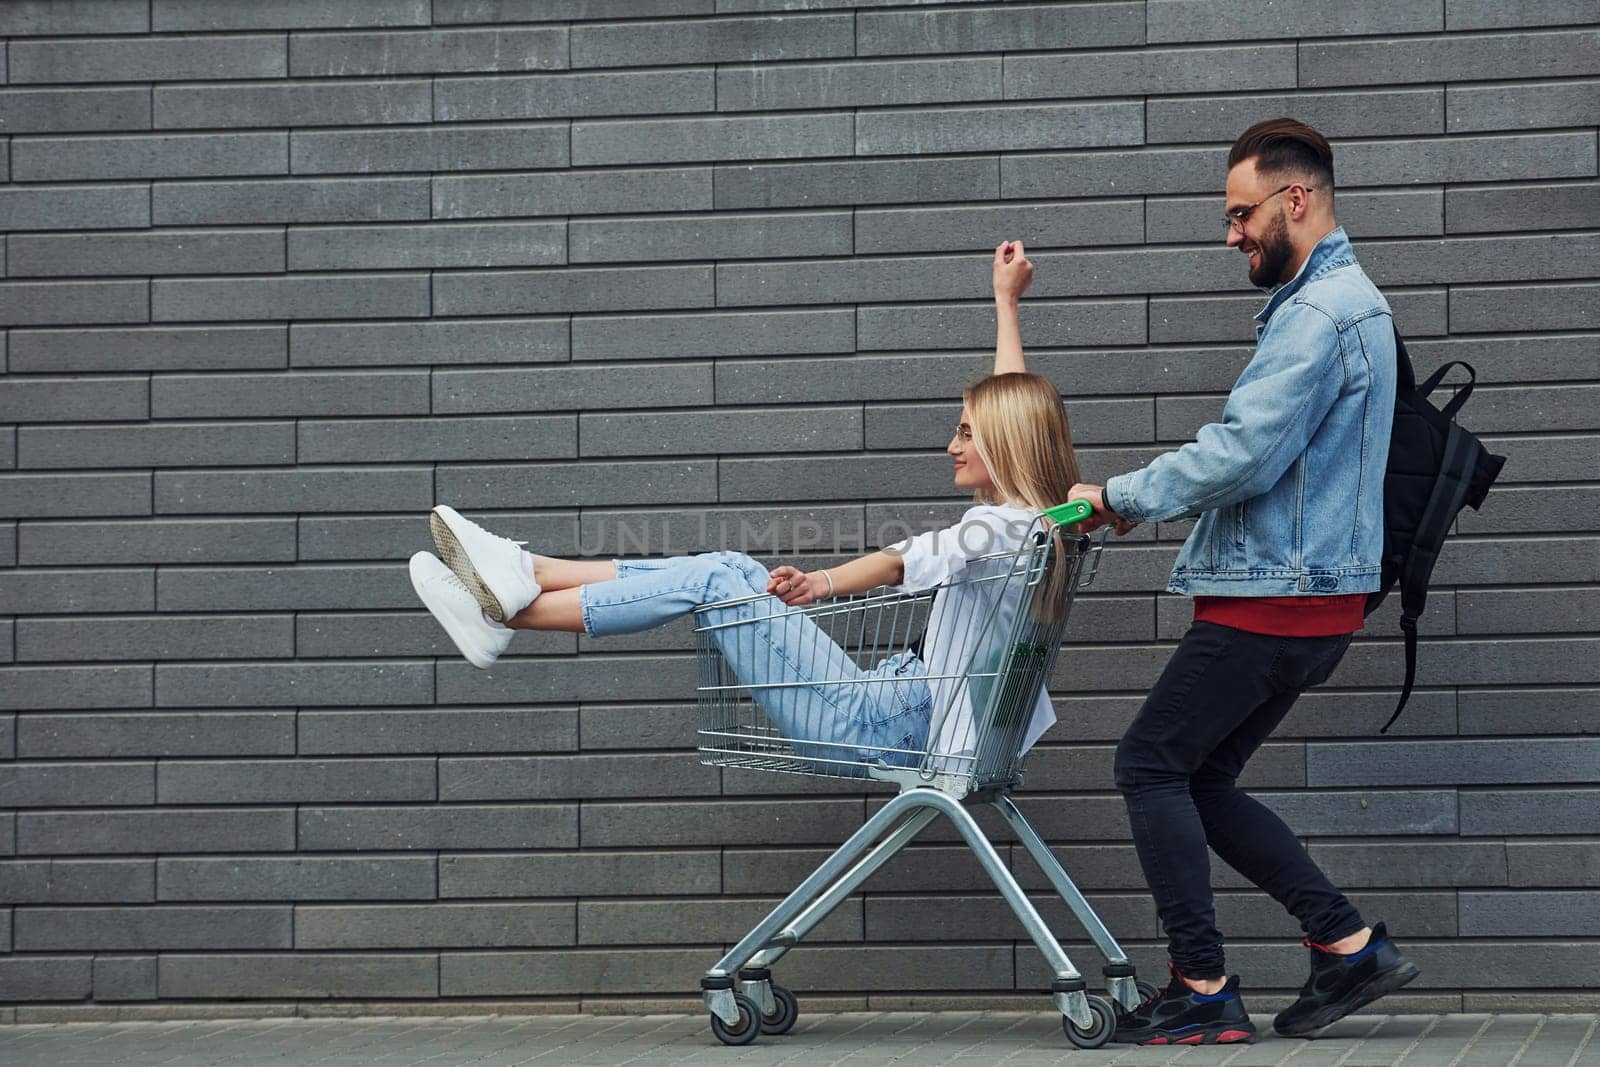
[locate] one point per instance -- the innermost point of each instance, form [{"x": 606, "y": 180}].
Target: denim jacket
[{"x": 1288, "y": 487}]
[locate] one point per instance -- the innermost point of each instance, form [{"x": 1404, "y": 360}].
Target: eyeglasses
[
  {"x": 1241, "y": 215},
  {"x": 964, "y": 432}
]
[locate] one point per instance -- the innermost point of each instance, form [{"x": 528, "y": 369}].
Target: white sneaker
[
  {"x": 444, "y": 595},
  {"x": 491, "y": 566}
]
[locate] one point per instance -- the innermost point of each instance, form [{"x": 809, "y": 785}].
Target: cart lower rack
[{"x": 848, "y": 689}]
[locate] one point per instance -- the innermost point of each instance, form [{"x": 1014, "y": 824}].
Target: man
[{"x": 1288, "y": 489}]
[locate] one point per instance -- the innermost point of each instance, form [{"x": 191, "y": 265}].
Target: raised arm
[{"x": 1012, "y": 273}]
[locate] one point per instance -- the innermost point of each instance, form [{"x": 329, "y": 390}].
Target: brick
[
  {"x": 191, "y": 830},
  {"x": 1526, "y": 611},
  {"x": 1061, "y": 224},
  {"x": 435, "y": 440},
  {"x": 986, "y": 918},
  {"x": 1552, "y": 863},
  {"x": 554, "y": 971},
  {"x": 448, "y": 245},
  {"x": 167, "y": 15},
  {"x": 928, "y": 425},
  {"x": 265, "y": 975},
  {"x": 433, "y": 342},
  {"x": 762, "y": 529},
  {"x": 297, "y": 393},
  {"x": 1420, "y": 915},
  {"x": 1420, "y": 864},
  {"x": 73, "y": 303},
  {"x": 1538, "y": 914},
  {"x": 124, "y": 978},
  {"x": 158, "y": 541},
  {"x": 167, "y": 252},
  {"x": 78, "y": 591},
  {"x": 1487, "y": 209},
  {"x": 1528, "y": 811},
  {"x": 1527, "y": 711},
  {"x": 850, "y": 85},
  {"x": 28, "y": 688},
  {"x": 1147, "y": 71},
  {"x": 414, "y": 635},
  {"x": 864, "y": 378},
  {"x": 721, "y": 236},
  {"x": 545, "y": 96},
  {"x": 246, "y": 490},
  {"x": 62, "y": 399},
  {"x": 875, "y": 181},
  {"x": 149, "y": 59},
  {"x": 1363, "y": 113},
  {"x": 74, "y": 110},
  {"x": 1011, "y": 28},
  {"x": 124, "y": 734},
  {"x": 545, "y": 729},
  {"x": 1232, "y": 318},
  {"x": 149, "y": 348},
  {"x": 588, "y": 388},
  {"x": 76, "y": 784},
  {"x": 1155, "y": 171},
  {"x": 301, "y": 296},
  {"x": 320, "y": 103},
  {"x": 918, "y": 868},
  {"x": 1454, "y": 57},
  {"x": 701, "y": 335},
  {"x": 1572, "y": 559},
  {"x": 396, "y": 537},
  {"x": 184, "y": 155},
  {"x": 708, "y": 41},
  {"x": 691, "y": 140},
  {"x": 488, "y": 826},
  {"x": 719, "y": 822},
  {"x": 290, "y": 201},
  {"x": 447, "y": 12},
  {"x": 1507, "y": 157},
  {"x": 344, "y": 926},
  {"x": 1521, "y": 107},
  {"x": 56, "y": 881},
  {"x": 121, "y": 928},
  {"x": 1488, "y": 15},
  {"x": 8, "y": 544},
  {"x": 636, "y": 726},
  {"x": 320, "y": 781},
  {"x": 575, "y": 777},
  {"x": 428, "y": 148},
  {"x": 427, "y": 52},
  {"x": 1198, "y": 20},
  {"x": 45, "y": 977},
  {"x": 26, "y": 17},
  {"x": 1531, "y": 307},
  {"x": 1555, "y": 458},
  {"x": 1479, "y": 259},
  {"x": 920, "y": 967},
  {"x": 292, "y": 684},
  {"x": 79, "y": 207},
  {"x": 688, "y": 922},
  {"x": 1387, "y": 213},
  {"x": 620, "y": 678},
  {"x": 156, "y": 637},
  {"x": 723, "y": 431},
  {"x": 631, "y": 873},
  {"x": 992, "y": 129},
  {"x": 1473, "y": 762},
  {"x": 874, "y": 477},
  {"x": 523, "y": 292},
  {"x": 1044, "y": 324},
  {"x": 575, "y": 193},
  {"x": 296, "y": 878},
  {"x": 156, "y": 445}
]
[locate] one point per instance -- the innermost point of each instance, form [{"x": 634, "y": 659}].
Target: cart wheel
[
  {"x": 783, "y": 1016},
  {"x": 745, "y": 1030},
  {"x": 1105, "y": 1021}
]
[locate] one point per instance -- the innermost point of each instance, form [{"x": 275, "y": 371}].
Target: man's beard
[{"x": 1275, "y": 252}]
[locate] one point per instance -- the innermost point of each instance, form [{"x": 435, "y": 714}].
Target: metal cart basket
[{"x": 994, "y": 628}]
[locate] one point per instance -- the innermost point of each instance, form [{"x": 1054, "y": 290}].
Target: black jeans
[{"x": 1221, "y": 694}]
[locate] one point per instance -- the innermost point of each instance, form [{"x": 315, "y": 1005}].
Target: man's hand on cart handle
[
  {"x": 795, "y": 587},
  {"x": 1095, "y": 495}
]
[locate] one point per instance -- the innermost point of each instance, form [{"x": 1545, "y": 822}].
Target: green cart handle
[{"x": 1070, "y": 512}]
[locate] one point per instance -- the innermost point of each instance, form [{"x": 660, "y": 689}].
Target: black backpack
[{"x": 1435, "y": 468}]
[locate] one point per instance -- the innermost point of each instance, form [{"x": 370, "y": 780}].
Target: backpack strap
[
  {"x": 1462, "y": 393},
  {"x": 1448, "y": 496}
]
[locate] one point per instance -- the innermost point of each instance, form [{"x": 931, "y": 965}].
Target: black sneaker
[
  {"x": 1340, "y": 984},
  {"x": 1180, "y": 1016}
]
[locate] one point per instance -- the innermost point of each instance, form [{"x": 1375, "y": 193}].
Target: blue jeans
[{"x": 886, "y": 707}]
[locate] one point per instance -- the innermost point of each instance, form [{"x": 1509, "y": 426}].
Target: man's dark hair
[{"x": 1285, "y": 146}]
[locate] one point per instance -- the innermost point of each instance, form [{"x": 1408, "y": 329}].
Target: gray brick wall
[{"x": 279, "y": 276}]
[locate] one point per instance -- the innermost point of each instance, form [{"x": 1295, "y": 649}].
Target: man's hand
[
  {"x": 792, "y": 586},
  {"x": 1095, "y": 495},
  {"x": 1012, "y": 271}
]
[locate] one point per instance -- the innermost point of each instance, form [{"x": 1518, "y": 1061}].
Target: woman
[{"x": 1012, "y": 450}]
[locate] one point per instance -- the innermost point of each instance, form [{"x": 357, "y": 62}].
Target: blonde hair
[{"x": 1020, "y": 430}]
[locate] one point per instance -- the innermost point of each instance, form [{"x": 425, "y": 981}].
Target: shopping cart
[{"x": 1000, "y": 622}]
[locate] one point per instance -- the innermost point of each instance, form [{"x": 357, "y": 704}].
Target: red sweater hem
[{"x": 1285, "y": 616}]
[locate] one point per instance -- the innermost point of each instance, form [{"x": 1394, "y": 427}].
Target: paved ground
[{"x": 859, "y": 1039}]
